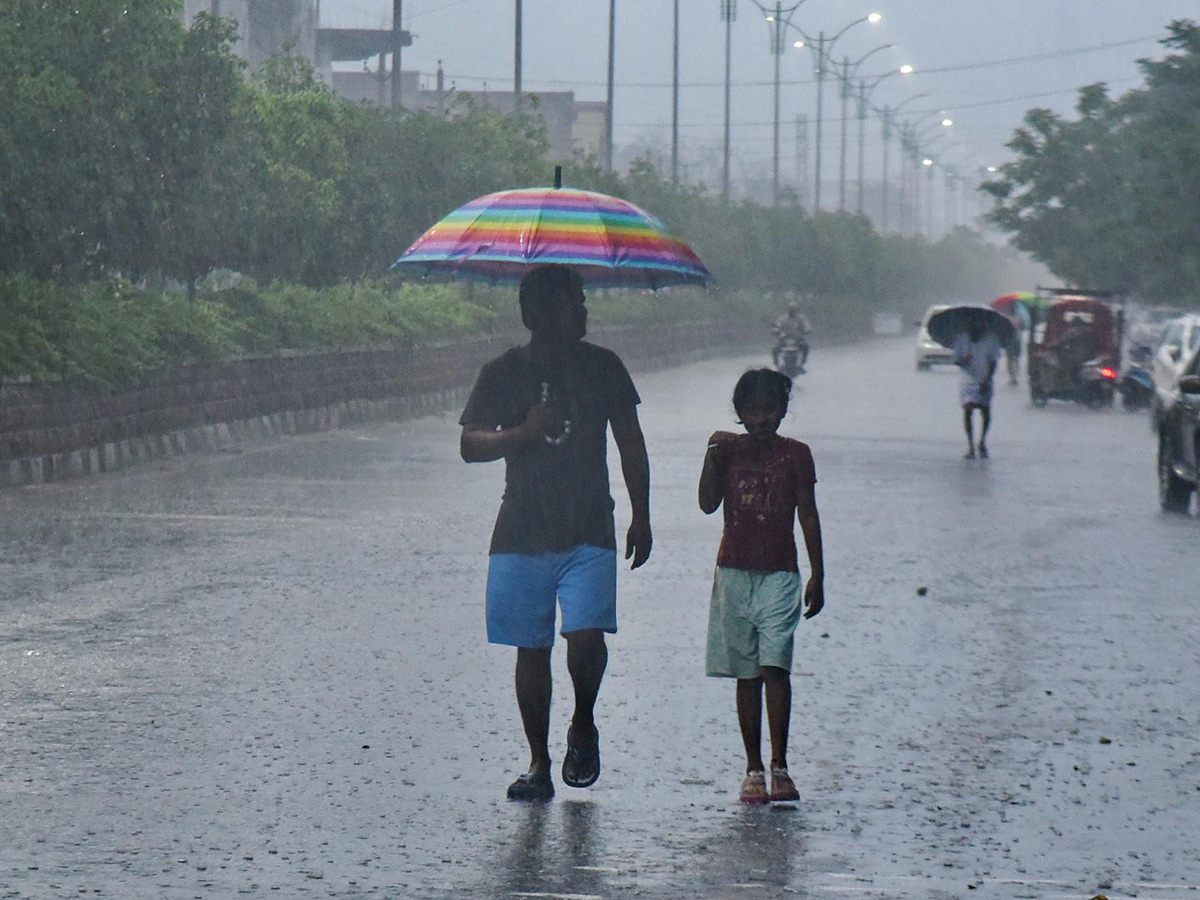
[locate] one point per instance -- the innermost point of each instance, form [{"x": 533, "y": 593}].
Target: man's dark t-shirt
[{"x": 555, "y": 496}]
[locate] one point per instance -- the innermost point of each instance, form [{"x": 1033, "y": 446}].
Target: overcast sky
[{"x": 1062, "y": 44}]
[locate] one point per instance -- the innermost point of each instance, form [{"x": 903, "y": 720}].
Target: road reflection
[
  {"x": 757, "y": 847},
  {"x": 554, "y": 850}
]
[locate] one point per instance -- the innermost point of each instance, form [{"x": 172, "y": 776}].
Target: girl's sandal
[
  {"x": 754, "y": 788},
  {"x": 783, "y": 789}
]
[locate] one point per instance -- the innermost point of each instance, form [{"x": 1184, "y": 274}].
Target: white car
[
  {"x": 930, "y": 352},
  {"x": 1180, "y": 342}
]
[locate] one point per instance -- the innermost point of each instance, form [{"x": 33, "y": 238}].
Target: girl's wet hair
[{"x": 768, "y": 383}]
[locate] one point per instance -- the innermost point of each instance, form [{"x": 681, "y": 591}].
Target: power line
[
  {"x": 964, "y": 67},
  {"x": 877, "y": 115}
]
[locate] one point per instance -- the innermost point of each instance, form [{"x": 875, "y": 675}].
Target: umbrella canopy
[
  {"x": 1020, "y": 299},
  {"x": 501, "y": 236},
  {"x": 945, "y": 326}
]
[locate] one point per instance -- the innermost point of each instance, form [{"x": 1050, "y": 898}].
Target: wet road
[{"x": 264, "y": 674}]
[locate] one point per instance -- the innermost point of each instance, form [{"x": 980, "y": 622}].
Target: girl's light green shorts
[{"x": 752, "y": 621}]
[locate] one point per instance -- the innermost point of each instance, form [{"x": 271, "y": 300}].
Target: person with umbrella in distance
[
  {"x": 977, "y": 350},
  {"x": 545, "y": 409}
]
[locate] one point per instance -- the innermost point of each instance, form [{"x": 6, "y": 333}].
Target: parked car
[
  {"x": 1179, "y": 441},
  {"x": 1180, "y": 341},
  {"x": 929, "y": 352}
]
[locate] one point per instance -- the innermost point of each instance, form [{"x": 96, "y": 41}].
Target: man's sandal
[
  {"x": 581, "y": 765},
  {"x": 783, "y": 789},
  {"x": 532, "y": 787},
  {"x": 754, "y": 788}
]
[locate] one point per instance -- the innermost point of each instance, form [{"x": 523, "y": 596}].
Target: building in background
[
  {"x": 265, "y": 27},
  {"x": 268, "y": 27}
]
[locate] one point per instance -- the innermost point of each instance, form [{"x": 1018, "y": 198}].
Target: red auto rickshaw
[{"x": 1075, "y": 351}]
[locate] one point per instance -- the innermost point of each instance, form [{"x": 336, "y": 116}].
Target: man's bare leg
[
  {"x": 587, "y": 658},
  {"x": 534, "y": 689},
  {"x": 985, "y": 416},
  {"x": 970, "y": 429}
]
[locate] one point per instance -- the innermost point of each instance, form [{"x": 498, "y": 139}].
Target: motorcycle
[
  {"x": 791, "y": 349},
  {"x": 1137, "y": 381}
]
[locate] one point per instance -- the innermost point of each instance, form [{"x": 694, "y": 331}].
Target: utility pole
[
  {"x": 887, "y": 140},
  {"x": 675, "y": 98},
  {"x": 777, "y": 51},
  {"x": 397, "y": 41},
  {"x": 820, "y": 117},
  {"x": 862, "y": 144},
  {"x": 845, "y": 83},
  {"x": 728, "y": 14},
  {"x": 517, "y": 57},
  {"x": 608, "y": 115},
  {"x": 802, "y": 159}
]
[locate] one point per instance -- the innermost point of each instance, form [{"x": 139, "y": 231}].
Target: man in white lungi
[{"x": 977, "y": 352}]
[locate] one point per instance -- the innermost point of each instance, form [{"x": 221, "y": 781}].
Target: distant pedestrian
[
  {"x": 545, "y": 408},
  {"x": 976, "y": 352},
  {"x": 765, "y": 481},
  {"x": 1013, "y": 346}
]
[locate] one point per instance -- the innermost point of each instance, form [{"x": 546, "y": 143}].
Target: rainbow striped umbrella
[{"x": 499, "y": 237}]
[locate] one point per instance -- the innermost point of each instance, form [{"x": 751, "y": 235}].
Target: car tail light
[{"x": 1108, "y": 373}]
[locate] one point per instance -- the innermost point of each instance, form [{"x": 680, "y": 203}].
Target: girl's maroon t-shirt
[{"x": 759, "y": 496}]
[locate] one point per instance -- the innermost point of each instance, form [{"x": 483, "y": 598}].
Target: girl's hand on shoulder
[{"x": 721, "y": 437}]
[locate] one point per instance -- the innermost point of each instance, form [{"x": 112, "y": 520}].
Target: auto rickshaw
[{"x": 1075, "y": 351}]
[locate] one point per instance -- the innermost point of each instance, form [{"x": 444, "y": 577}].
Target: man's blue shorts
[{"x": 522, "y": 590}]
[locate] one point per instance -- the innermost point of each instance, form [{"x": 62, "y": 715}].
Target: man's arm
[
  {"x": 810, "y": 524},
  {"x": 635, "y": 465},
  {"x": 483, "y": 443}
]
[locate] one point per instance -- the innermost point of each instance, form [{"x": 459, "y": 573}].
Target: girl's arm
[
  {"x": 712, "y": 476},
  {"x": 810, "y": 524}
]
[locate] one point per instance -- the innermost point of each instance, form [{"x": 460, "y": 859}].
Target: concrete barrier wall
[{"x": 55, "y": 431}]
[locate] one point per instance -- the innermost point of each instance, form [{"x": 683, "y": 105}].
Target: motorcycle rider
[{"x": 791, "y": 326}]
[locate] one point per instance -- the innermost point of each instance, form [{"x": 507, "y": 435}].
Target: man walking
[
  {"x": 545, "y": 408},
  {"x": 976, "y": 352}
]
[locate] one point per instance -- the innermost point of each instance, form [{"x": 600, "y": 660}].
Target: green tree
[{"x": 1107, "y": 199}]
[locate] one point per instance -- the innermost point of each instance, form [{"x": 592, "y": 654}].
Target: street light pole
[
  {"x": 824, "y": 46},
  {"x": 675, "y": 97},
  {"x": 517, "y": 55},
  {"x": 608, "y": 117},
  {"x": 777, "y": 51},
  {"x": 845, "y": 86},
  {"x": 888, "y": 114},
  {"x": 887, "y": 135},
  {"x": 849, "y": 70},
  {"x": 778, "y": 19},
  {"x": 820, "y": 118},
  {"x": 864, "y": 99},
  {"x": 397, "y": 41},
  {"x": 728, "y": 14}
]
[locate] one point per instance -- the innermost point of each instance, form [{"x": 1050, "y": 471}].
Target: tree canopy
[{"x": 1108, "y": 199}]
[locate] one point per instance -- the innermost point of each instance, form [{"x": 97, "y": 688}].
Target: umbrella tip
[{"x": 558, "y": 176}]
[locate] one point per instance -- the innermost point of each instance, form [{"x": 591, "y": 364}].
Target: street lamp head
[
  {"x": 875, "y": 18},
  {"x": 799, "y": 45},
  {"x": 906, "y": 69},
  {"x": 947, "y": 122},
  {"x": 927, "y": 161},
  {"x": 770, "y": 18}
]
